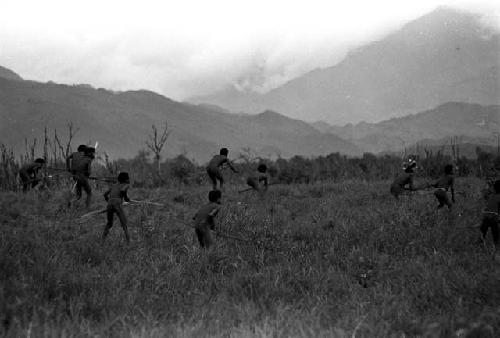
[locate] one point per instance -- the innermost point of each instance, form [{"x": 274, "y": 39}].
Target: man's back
[
  {"x": 205, "y": 215},
  {"x": 30, "y": 168},
  {"x": 444, "y": 182},
  {"x": 217, "y": 161},
  {"x": 80, "y": 164},
  {"x": 403, "y": 179}
]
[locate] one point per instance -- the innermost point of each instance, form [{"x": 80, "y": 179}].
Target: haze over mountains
[
  {"x": 443, "y": 68},
  {"x": 470, "y": 123},
  {"x": 447, "y": 55},
  {"x": 121, "y": 122}
]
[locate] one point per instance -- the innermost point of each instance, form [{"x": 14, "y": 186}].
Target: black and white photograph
[{"x": 237, "y": 168}]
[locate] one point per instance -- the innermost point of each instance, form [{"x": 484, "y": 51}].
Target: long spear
[
  {"x": 217, "y": 233},
  {"x": 134, "y": 202}
]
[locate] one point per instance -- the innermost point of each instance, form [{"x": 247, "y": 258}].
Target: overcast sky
[{"x": 185, "y": 48}]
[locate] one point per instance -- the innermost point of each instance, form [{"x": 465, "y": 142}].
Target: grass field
[{"x": 322, "y": 260}]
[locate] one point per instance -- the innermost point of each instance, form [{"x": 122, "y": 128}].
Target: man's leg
[
  {"x": 395, "y": 191},
  {"x": 439, "y": 196},
  {"x": 212, "y": 177},
  {"x": 495, "y": 232},
  {"x": 199, "y": 235},
  {"x": 221, "y": 180},
  {"x": 208, "y": 239},
  {"x": 24, "y": 182},
  {"x": 88, "y": 190},
  {"x": 484, "y": 228},
  {"x": 123, "y": 221},
  {"x": 218, "y": 175},
  {"x": 109, "y": 224}
]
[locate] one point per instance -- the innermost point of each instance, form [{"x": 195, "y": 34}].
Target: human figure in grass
[
  {"x": 28, "y": 174},
  {"x": 204, "y": 219},
  {"x": 491, "y": 217},
  {"x": 115, "y": 196},
  {"x": 443, "y": 184},
  {"x": 259, "y": 180},
  {"x": 79, "y": 165},
  {"x": 405, "y": 181},
  {"x": 214, "y": 168}
]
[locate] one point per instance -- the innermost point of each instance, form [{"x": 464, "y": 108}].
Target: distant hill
[
  {"x": 472, "y": 123},
  {"x": 447, "y": 55},
  {"x": 466, "y": 149},
  {"x": 9, "y": 74},
  {"x": 122, "y": 121}
]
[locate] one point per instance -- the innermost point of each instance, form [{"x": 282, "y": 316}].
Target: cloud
[{"x": 187, "y": 48}]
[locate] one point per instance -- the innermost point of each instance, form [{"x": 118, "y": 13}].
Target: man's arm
[
  {"x": 106, "y": 195},
  {"x": 214, "y": 212},
  {"x": 231, "y": 166},
  {"x": 125, "y": 195}
]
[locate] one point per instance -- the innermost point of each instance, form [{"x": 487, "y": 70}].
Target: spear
[
  {"x": 95, "y": 178},
  {"x": 218, "y": 233},
  {"x": 95, "y": 212},
  {"x": 134, "y": 202},
  {"x": 148, "y": 202},
  {"x": 248, "y": 189}
]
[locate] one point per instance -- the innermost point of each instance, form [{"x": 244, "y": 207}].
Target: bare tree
[
  {"x": 65, "y": 150},
  {"x": 156, "y": 142}
]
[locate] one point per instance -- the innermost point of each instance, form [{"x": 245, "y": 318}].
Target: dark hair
[
  {"x": 224, "y": 151},
  {"x": 82, "y": 148},
  {"x": 40, "y": 160},
  {"x": 90, "y": 152},
  {"x": 214, "y": 195},
  {"x": 262, "y": 168},
  {"x": 496, "y": 186},
  {"x": 448, "y": 169},
  {"x": 123, "y": 177},
  {"x": 410, "y": 167}
]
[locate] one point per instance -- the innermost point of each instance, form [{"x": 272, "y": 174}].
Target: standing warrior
[
  {"x": 445, "y": 182},
  {"x": 79, "y": 165},
  {"x": 407, "y": 178},
  {"x": 115, "y": 196},
  {"x": 259, "y": 180},
  {"x": 28, "y": 174},
  {"x": 491, "y": 218},
  {"x": 214, "y": 168},
  {"x": 204, "y": 218}
]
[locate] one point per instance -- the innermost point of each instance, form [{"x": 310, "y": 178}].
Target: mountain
[
  {"x": 471, "y": 123},
  {"x": 9, "y": 74},
  {"x": 121, "y": 122},
  {"x": 446, "y": 55}
]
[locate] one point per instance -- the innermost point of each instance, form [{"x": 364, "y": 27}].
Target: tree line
[{"x": 148, "y": 169}]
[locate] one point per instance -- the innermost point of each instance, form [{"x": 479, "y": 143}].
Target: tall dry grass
[{"x": 331, "y": 259}]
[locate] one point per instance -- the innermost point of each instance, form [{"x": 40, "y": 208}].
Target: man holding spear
[{"x": 79, "y": 165}]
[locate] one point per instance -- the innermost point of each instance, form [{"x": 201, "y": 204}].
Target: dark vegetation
[{"x": 328, "y": 252}]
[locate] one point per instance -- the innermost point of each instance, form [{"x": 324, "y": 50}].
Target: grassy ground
[{"x": 322, "y": 260}]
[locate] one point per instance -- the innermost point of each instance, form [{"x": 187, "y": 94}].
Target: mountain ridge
[
  {"x": 122, "y": 121},
  {"x": 446, "y": 55},
  {"x": 469, "y": 122}
]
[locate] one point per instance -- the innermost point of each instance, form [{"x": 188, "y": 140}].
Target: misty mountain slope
[
  {"x": 447, "y": 55},
  {"x": 121, "y": 122},
  {"x": 473, "y": 123},
  {"x": 8, "y": 74}
]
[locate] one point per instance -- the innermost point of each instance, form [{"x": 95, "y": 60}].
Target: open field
[{"x": 330, "y": 259}]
